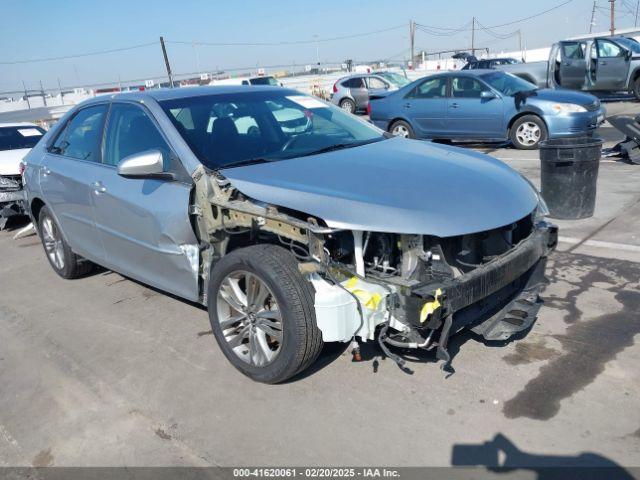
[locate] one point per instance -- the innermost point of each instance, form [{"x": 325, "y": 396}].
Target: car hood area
[
  {"x": 10, "y": 160},
  {"x": 565, "y": 96},
  {"x": 395, "y": 185}
]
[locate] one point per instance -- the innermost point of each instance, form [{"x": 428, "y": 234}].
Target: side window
[
  {"x": 466, "y": 87},
  {"x": 607, "y": 49},
  {"x": 81, "y": 136},
  {"x": 433, "y": 88},
  {"x": 131, "y": 131},
  {"x": 573, "y": 51},
  {"x": 357, "y": 82},
  {"x": 376, "y": 84}
]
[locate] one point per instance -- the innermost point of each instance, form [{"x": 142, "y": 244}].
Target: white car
[{"x": 16, "y": 140}]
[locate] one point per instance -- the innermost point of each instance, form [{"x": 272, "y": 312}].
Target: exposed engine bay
[{"x": 406, "y": 290}]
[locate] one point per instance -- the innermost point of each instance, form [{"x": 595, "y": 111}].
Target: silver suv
[{"x": 352, "y": 93}]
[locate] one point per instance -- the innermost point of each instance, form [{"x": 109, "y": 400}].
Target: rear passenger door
[
  {"x": 426, "y": 107},
  {"x": 67, "y": 175},
  {"x": 144, "y": 223},
  {"x": 471, "y": 116},
  {"x": 358, "y": 90},
  {"x": 573, "y": 65}
]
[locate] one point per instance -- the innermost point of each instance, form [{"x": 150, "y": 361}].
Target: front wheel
[
  {"x": 262, "y": 313},
  {"x": 527, "y": 132}
]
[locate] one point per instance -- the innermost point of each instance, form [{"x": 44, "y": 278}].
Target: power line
[
  {"x": 290, "y": 42},
  {"x": 79, "y": 55},
  {"x": 532, "y": 16}
]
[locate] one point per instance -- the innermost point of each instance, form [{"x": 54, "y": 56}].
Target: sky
[{"x": 36, "y": 29}]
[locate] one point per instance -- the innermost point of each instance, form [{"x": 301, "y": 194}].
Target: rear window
[{"x": 13, "y": 138}]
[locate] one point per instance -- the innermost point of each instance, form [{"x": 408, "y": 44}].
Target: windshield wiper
[
  {"x": 245, "y": 162},
  {"x": 337, "y": 146}
]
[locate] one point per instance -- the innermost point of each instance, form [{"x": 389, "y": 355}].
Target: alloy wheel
[
  {"x": 53, "y": 243},
  {"x": 528, "y": 134},
  {"x": 400, "y": 131},
  {"x": 249, "y": 317}
]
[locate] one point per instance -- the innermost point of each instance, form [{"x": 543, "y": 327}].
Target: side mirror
[
  {"x": 487, "y": 95},
  {"x": 628, "y": 54},
  {"x": 143, "y": 165}
]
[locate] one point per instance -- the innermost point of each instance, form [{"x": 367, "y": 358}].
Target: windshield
[
  {"x": 13, "y": 138},
  {"x": 629, "y": 43},
  {"x": 265, "y": 81},
  {"x": 231, "y": 129},
  {"x": 395, "y": 78},
  {"x": 507, "y": 84}
]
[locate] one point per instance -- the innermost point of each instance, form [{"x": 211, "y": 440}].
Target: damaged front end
[
  {"x": 11, "y": 198},
  {"x": 406, "y": 290}
]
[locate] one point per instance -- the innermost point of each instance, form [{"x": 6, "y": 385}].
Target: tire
[
  {"x": 400, "y": 128},
  {"x": 527, "y": 132},
  {"x": 292, "y": 344},
  {"x": 61, "y": 258},
  {"x": 348, "y": 105},
  {"x": 636, "y": 88}
]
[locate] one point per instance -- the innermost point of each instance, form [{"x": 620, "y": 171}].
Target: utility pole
[
  {"x": 473, "y": 36},
  {"x": 60, "y": 90},
  {"x": 26, "y": 95},
  {"x": 613, "y": 17},
  {"x": 166, "y": 62},
  {"x": 593, "y": 17},
  {"x": 635, "y": 23},
  {"x": 44, "y": 98},
  {"x": 412, "y": 38}
]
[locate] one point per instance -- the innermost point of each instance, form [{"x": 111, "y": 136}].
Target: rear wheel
[
  {"x": 636, "y": 88},
  {"x": 348, "y": 105},
  {"x": 262, "y": 313},
  {"x": 527, "y": 132},
  {"x": 62, "y": 259},
  {"x": 401, "y": 129}
]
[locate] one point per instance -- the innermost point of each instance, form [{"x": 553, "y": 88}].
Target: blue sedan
[{"x": 485, "y": 105}]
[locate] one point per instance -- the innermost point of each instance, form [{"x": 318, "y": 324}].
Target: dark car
[{"x": 490, "y": 63}]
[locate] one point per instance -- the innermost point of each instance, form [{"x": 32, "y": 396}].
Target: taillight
[
  {"x": 369, "y": 108},
  {"x": 335, "y": 87},
  {"x": 21, "y": 168}
]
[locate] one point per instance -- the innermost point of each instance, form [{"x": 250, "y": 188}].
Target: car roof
[
  {"x": 176, "y": 93},
  {"x": 18, "y": 124}
]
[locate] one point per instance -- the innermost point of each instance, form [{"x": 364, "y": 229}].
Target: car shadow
[{"x": 501, "y": 456}]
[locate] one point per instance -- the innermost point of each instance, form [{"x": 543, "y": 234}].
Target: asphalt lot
[{"x": 104, "y": 371}]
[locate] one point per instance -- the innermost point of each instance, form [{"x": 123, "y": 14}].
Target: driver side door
[
  {"x": 612, "y": 65},
  {"x": 144, "y": 223}
]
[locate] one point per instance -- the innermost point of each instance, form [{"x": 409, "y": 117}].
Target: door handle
[
  {"x": 454, "y": 105},
  {"x": 407, "y": 105},
  {"x": 98, "y": 188},
  {"x": 45, "y": 170},
  {"x": 603, "y": 63}
]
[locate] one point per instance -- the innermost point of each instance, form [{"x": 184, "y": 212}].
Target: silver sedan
[{"x": 331, "y": 231}]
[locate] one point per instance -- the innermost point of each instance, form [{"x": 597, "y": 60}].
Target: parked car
[
  {"x": 352, "y": 93},
  {"x": 486, "y": 105},
  {"x": 489, "y": 63},
  {"x": 259, "y": 80},
  {"x": 290, "y": 239},
  {"x": 606, "y": 64},
  {"x": 16, "y": 139},
  {"x": 394, "y": 78}
]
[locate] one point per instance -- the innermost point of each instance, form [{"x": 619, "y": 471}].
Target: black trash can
[{"x": 569, "y": 172}]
